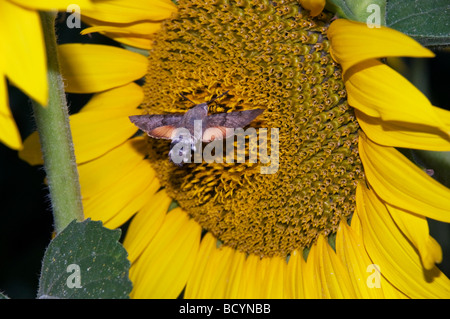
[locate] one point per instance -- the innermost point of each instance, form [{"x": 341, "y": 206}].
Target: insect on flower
[{"x": 187, "y": 130}]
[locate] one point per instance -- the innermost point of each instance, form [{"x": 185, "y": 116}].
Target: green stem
[{"x": 52, "y": 124}]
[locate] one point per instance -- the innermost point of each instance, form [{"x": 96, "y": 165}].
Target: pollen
[{"x": 270, "y": 55}]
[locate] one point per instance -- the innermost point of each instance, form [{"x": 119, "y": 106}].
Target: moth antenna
[
  {"x": 217, "y": 97},
  {"x": 186, "y": 98}
]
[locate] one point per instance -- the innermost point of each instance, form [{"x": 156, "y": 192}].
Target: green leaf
[
  {"x": 359, "y": 10},
  {"x": 85, "y": 261},
  {"x": 425, "y": 21}
]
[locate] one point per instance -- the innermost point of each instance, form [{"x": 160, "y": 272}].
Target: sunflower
[{"x": 344, "y": 216}]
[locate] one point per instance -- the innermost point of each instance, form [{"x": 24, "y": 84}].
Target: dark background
[{"x": 26, "y": 218}]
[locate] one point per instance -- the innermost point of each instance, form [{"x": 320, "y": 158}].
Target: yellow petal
[
  {"x": 416, "y": 229},
  {"x": 210, "y": 276},
  {"x": 401, "y": 134},
  {"x": 355, "y": 223},
  {"x": 194, "y": 283},
  {"x": 311, "y": 277},
  {"x": 294, "y": 279},
  {"x": 258, "y": 278},
  {"x": 325, "y": 275},
  {"x": 122, "y": 11},
  {"x": 9, "y": 133},
  {"x": 219, "y": 276},
  {"x": 139, "y": 200},
  {"x": 121, "y": 200},
  {"x": 137, "y": 34},
  {"x": 91, "y": 68},
  {"x": 235, "y": 275},
  {"x": 250, "y": 279},
  {"x": 373, "y": 270},
  {"x": 253, "y": 273},
  {"x": 106, "y": 170},
  {"x": 397, "y": 259},
  {"x": 101, "y": 125},
  {"x": 353, "y": 42},
  {"x": 23, "y": 48},
  {"x": 362, "y": 272},
  {"x": 95, "y": 133},
  {"x": 164, "y": 267},
  {"x": 401, "y": 183},
  {"x": 315, "y": 6},
  {"x": 137, "y": 42},
  {"x": 377, "y": 90},
  {"x": 146, "y": 224},
  {"x": 334, "y": 277},
  {"x": 49, "y": 5},
  {"x": 140, "y": 28},
  {"x": 274, "y": 278},
  {"x": 128, "y": 96}
]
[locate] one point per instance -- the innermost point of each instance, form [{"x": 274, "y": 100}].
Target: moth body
[{"x": 188, "y": 129}]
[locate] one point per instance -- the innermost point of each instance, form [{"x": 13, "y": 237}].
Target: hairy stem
[{"x": 52, "y": 123}]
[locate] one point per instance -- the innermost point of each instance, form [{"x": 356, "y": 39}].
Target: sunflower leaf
[
  {"x": 85, "y": 260},
  {"x": 425, "y": 21},
  {"x": 369, "y": 11}
]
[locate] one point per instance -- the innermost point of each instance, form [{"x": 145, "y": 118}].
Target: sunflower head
[{"x": 276, "y": 57}]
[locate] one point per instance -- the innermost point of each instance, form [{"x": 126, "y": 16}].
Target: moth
[{"x": 193, "y": 126}]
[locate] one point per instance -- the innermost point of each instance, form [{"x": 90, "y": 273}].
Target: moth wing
[
  {"x": 219, "y": 125},
  {"x": 157, "y": 126},
  {"x": 216, "y": 133}
]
